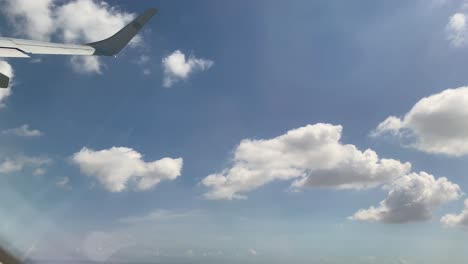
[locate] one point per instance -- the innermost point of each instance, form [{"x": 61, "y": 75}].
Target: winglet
[
  {"x": 4, "y": 81},
  {"x": 113, "y": 45}
]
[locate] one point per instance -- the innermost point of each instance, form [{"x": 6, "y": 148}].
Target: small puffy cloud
[
  {"x": 435, "y": 124},
  {"x": 86, "y": 64},
  {"x": 312, "y": 155},
  {"x": 457, "y": 29},
  {"x": 411, "y": 198},
  {"x": 11, "y": 165},
  {"x": 252, "y": 252},
  {"x": 143, "y": 62},
  {"x": 454, "y": 220},
  {"x": 5, "y": 69},
  {"x": 114, "y": 167},
  {"x": 177, "y": 67},
  {"x": 390, "y": 125},
  {"x": 76, "y": 21},
  {"x": 23, "y": 131},
  {"x": 39, "y": 172}
]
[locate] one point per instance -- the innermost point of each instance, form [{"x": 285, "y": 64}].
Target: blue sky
[{"x": 253, "y": 70}]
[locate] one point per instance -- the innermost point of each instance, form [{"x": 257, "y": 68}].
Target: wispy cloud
[
  {"x": 63, "y": 183},
  {"x": 11, "y": 165},
  {"x": 157, "y": 215},
  {"x": 23, "y": 131}
]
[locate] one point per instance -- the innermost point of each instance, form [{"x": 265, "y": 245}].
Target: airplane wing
[{"x": 21, "y": 48}]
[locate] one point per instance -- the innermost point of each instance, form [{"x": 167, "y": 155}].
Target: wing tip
[
  {"x": 152, "y": 10},
  {"x": 4, "y": 81}
]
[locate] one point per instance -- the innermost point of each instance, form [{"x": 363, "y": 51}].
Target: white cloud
[
  {"x": 390, "y": 125},
  {"x": 114, "y": 167},
  {"x": 411, "y": 198},
  {"x": 313, "y": 155},
  {"x": 98, "y": 20},
  {"x": 74, "y": 21},
  {"x": 5, "y": 69},
  {"x": 177, "y": 67},
  {"x": 157, "y": 215},
  {"x": 435, "y": 124},
  {"x": 11, "y": 165},
  {"x": 460, "y": 220},
  {"x": 86, "y": 64},
  {"x": 31, "y": 18},
  {"x": 253, "y": 252},
  {"x": 23, "y": 131},
  {"x": 457, "y": 29},
  {"x": 63, "y": 183}
]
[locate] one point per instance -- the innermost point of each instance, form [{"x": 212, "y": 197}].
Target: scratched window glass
[{"x": 233, "y": 132}]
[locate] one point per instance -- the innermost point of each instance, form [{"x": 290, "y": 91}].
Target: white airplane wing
[{"x": 22, "y": 48}]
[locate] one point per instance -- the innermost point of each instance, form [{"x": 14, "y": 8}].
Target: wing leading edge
[{"x": 22, "y": 48}]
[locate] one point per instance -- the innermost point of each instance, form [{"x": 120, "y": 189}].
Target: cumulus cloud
[
  {"x": 31, "y": 18},
  {"x": 11, "y": 165},
  {"x": 460, "y": 220},
  {"x": 74, "y": 21},
  {"x": 5, "y": 69},
  {"x": 312, "y": 155},
  {"x": 411, "y": 198},
  {"x": 435, "y": 124},
  {"x": 177, "y": 67},
  {"x": 114, "y": 167},
  {"x": 23, "y": 131},
  {"x": 98, "y": 20}
]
